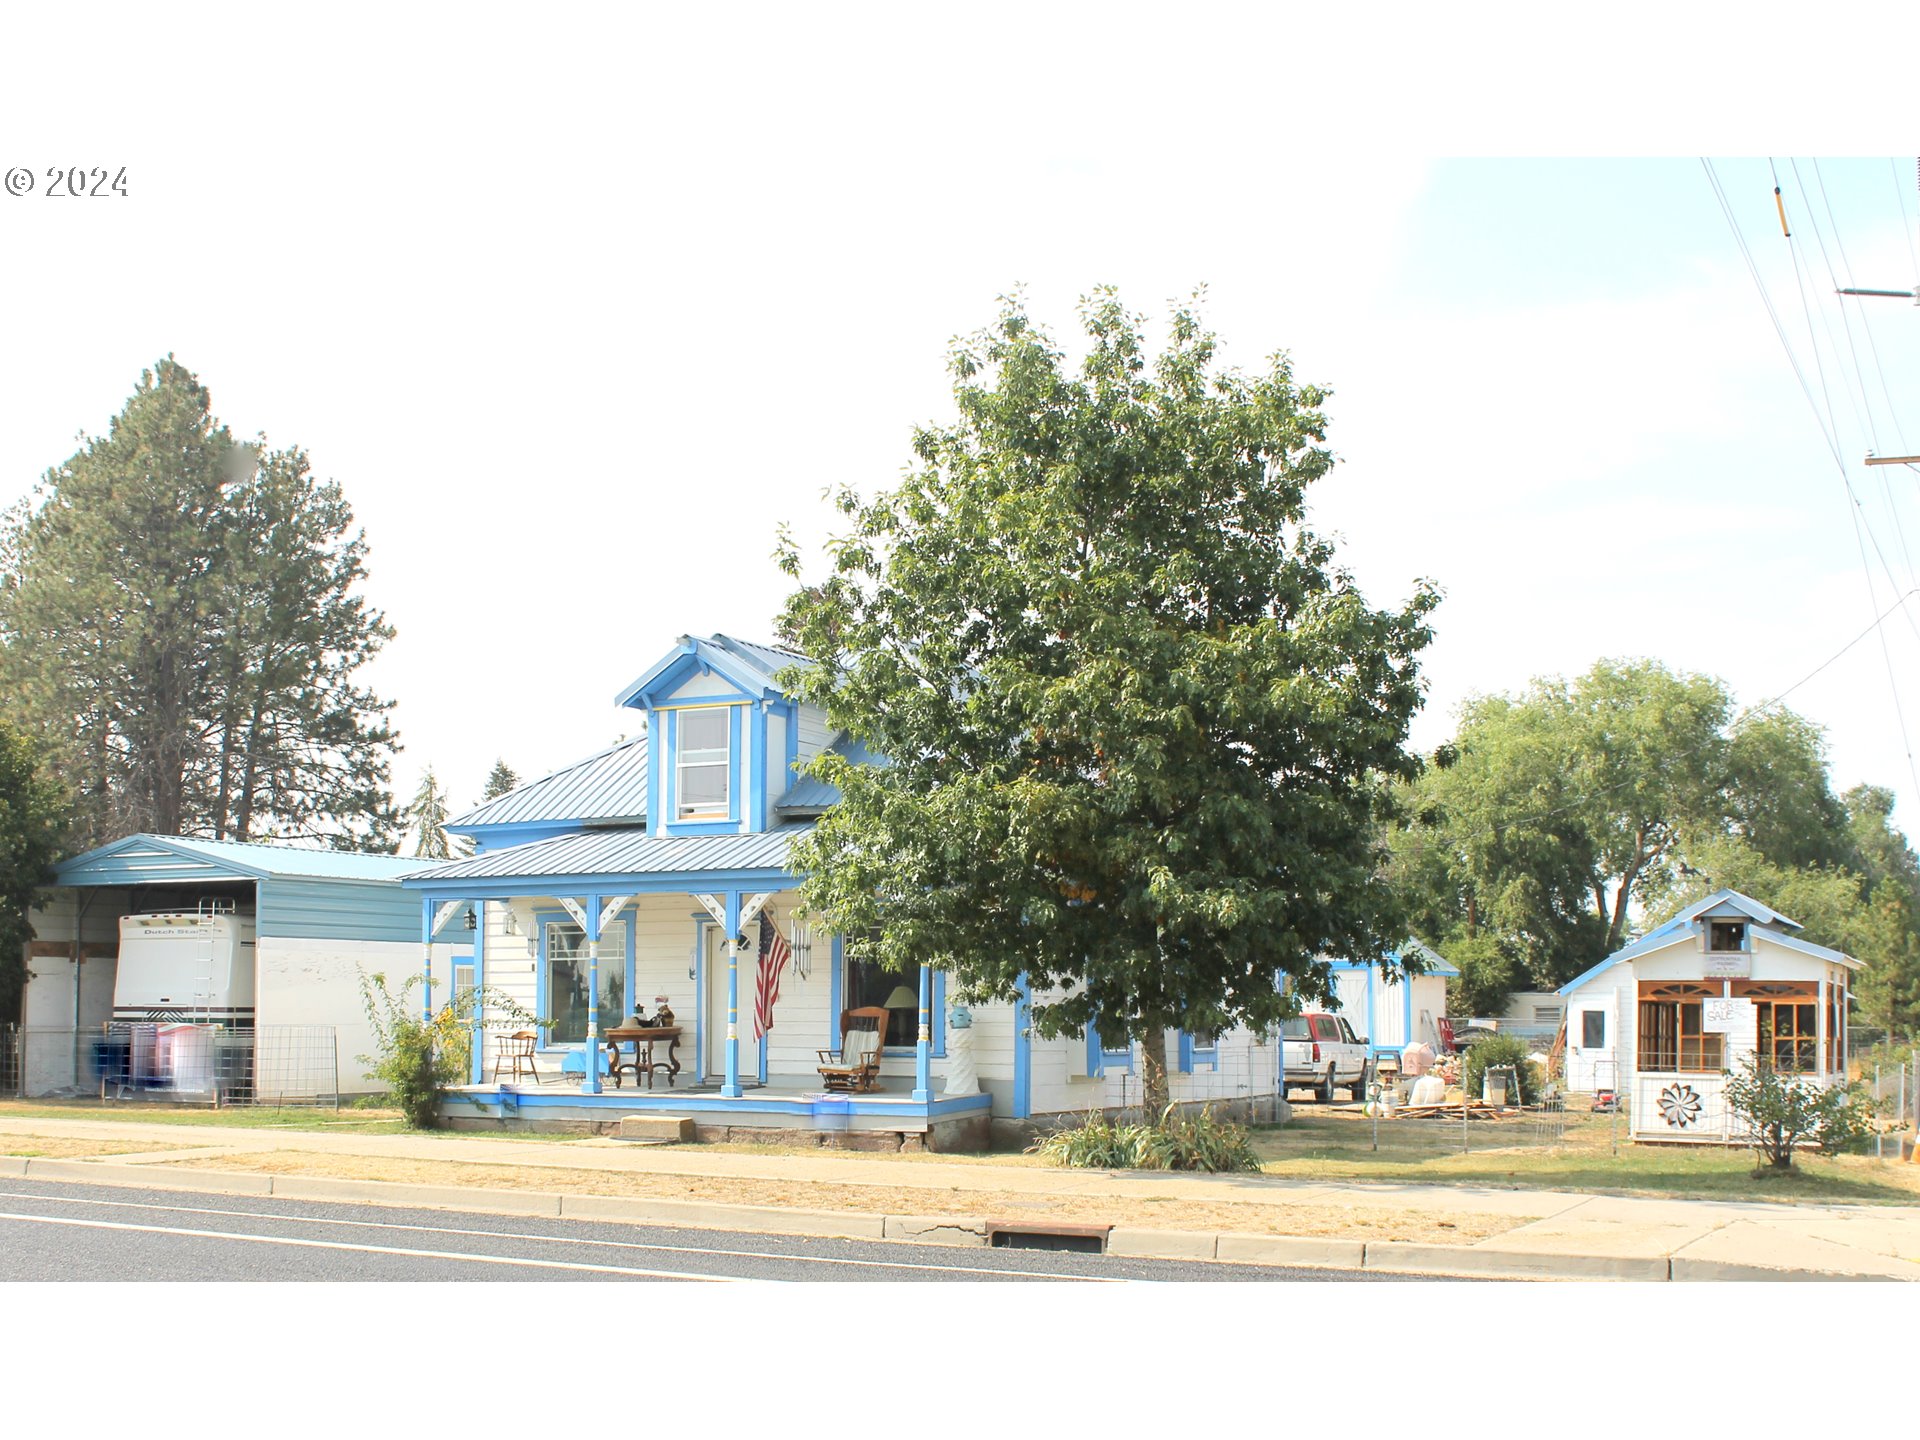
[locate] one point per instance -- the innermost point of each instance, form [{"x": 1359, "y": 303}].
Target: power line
[
  {"x": 1873, "y": 433},
  {"x": 1879, "y": 620},
  {"x": 1828, "y": 433}
]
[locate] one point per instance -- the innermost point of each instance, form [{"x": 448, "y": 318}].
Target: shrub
[
  {"x": 1174, "y": 1142},
  {"x": 1493, "y": 1050},
  {"x": 1783, "y": 1112},
  {"x": 419, "y": 1058}
]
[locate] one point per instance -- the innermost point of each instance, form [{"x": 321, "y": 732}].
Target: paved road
[{"x": 58, "y": 1231}]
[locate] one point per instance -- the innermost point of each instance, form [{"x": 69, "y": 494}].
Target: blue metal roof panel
[
  {"x": 158, "y": 859},
  {"x": 623, "y": 852},
  {"x": 610, "y": 785},
  {"x": 810, "y": 793}
]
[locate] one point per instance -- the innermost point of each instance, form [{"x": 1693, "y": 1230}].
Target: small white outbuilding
[
  {"x": 1392, "y": 1009},
  {"x": 1662, "y": 1020}
]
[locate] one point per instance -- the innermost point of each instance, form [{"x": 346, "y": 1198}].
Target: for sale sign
[{"x": 1727, "y": 1017}]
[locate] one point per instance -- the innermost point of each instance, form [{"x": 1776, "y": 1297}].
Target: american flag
[{"x": 774, "y": 954}]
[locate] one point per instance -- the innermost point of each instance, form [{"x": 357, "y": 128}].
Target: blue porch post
[
  {"x": 426, "y": 960},
  {"x": 732, "y": 1086},
  {"x": 477, "y": 1044},
  {"x": 923, "y": 1046},
  {"x": 590, "y": 1084}
]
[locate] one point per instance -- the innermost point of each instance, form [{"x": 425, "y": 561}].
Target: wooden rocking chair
[{"x": 855, "y": 1066}]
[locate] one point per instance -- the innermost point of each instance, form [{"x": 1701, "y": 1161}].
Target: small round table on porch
[{"x": 642, "y": 1039}]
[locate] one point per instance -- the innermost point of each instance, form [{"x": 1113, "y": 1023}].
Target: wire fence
[
  {"x": 173, "y": 1064},
  {"x": 1894, "y": 1085}
]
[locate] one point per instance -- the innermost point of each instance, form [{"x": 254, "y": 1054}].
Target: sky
[{"x": 579, "y": 309}]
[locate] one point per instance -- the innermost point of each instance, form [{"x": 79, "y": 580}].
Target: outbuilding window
[
  {"x": 1725, "y": 936},
  {"x": 1671, "y": 1039}
]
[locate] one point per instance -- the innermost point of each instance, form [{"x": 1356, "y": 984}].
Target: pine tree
[
  {"x": 427, "y": 819},
  {"x": 501, "y": 780},
  {"x": 178, "y": 626}
]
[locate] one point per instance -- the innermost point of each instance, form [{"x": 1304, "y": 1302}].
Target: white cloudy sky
[{"x": 579, "y": 304}]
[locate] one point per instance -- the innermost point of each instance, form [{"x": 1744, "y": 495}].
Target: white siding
[
  {"x": 317, "y": 983},
  {"x": 49, "y": 999},
  {"x": 1387, "y": 1027},
  {"x": 814, "y": 733},
  {"x": 700, "y": 687}
]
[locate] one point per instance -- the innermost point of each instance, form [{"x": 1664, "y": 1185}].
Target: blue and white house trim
[{"x": 681, "y": 834}]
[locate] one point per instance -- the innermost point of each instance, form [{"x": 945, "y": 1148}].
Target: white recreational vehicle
[{"x": 186, "y": 966}]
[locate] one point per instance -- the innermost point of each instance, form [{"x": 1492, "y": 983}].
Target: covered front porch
[{"x": 587, "y": 933}]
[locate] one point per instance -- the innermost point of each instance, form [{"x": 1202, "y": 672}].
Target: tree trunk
[{"x": 1155, "y": 1097}]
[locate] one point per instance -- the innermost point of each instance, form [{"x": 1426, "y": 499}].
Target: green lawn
[
  {"x": 1327, "y": 1147},
  {"x": 363, "y": 1122}
]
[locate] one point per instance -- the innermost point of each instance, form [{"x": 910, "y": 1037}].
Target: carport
[{"x": 320, "y": 918}]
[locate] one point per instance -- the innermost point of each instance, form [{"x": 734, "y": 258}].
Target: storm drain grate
[{"x": 1043, "y": 1235}]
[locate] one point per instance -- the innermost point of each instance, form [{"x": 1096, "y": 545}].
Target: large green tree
[
  {"x": 1137, "y": 722},
  {"x": 33, "y": 818},
  {"x": 179, "y": 624},
  {"x": 1555, "y": 820}
]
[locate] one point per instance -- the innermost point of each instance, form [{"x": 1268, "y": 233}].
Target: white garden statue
[{"x": 963, "y": 1077}]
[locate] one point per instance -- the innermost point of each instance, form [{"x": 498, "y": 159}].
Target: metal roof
[
  {"x": 162, "y": 859},
  {"x": 611, "y": 785},
  {"x": 768, "y": 659},
  {"x": 622, "y": 852},
  {"x": 1770, "y": 924},
  {"x": 810, "y": 795},
  {"x": 749, "y": 666}
]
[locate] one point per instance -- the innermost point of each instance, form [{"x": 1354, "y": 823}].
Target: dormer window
[
  {"x": 1724, "y": 936},
  {"x": 705, "y": 763}
]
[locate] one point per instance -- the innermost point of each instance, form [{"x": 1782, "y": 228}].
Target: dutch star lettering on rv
[{"x": 185, "y": 966}]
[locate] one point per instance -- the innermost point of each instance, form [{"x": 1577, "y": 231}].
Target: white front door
[{"x": 1590, "y": 1048}]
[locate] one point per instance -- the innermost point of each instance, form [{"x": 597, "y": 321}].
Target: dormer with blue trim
[{"x": 726, "y": 736}]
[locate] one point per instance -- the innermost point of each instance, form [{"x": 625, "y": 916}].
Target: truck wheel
[{"x": 1359, "y": 1087}]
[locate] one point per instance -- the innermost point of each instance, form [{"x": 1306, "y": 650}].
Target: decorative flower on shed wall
[{"x": 1679, "y": 1106}]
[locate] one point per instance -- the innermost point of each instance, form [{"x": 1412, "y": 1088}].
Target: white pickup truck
[{"x": 1321, "y": 1052}]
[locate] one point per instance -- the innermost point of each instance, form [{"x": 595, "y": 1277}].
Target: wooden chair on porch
[
  {"x": 855, "y": 1065},
  {"x": 515, "y": 1056}
]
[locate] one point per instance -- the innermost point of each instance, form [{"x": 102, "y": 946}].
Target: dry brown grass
[
  {"x": 59, "y": 1147},
  {"x": 1143, "y": 1211}
]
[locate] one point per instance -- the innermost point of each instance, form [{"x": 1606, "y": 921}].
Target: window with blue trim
[
  {"x": 865, "y": 982},
  {"x": 1199, "y": 1047},
  {"x": 563, "y": 949},
  {"x": 1101, "y": 1059},
  {"x": 704, "y": 766}
]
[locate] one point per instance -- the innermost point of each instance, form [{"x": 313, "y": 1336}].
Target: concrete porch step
[{"x": 656, "y": 1129}]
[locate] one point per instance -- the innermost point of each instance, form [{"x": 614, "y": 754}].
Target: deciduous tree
[
  {"x": 1137, "y": 720},
  {"x": 33, "y": 819}
]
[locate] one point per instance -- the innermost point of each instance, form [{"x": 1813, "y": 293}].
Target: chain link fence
[{"x": 173, "y": 1064}]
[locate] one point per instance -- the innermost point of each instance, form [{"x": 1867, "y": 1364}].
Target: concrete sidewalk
[{"x": 1556, "y": 1234}]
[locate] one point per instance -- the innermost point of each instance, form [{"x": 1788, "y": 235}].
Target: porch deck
[{"x": 789, "y": 1110}]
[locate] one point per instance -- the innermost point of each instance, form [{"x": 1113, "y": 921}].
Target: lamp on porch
[
  {"x": 902, "y": 999},
  {"x": 472, "y": 923}
]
